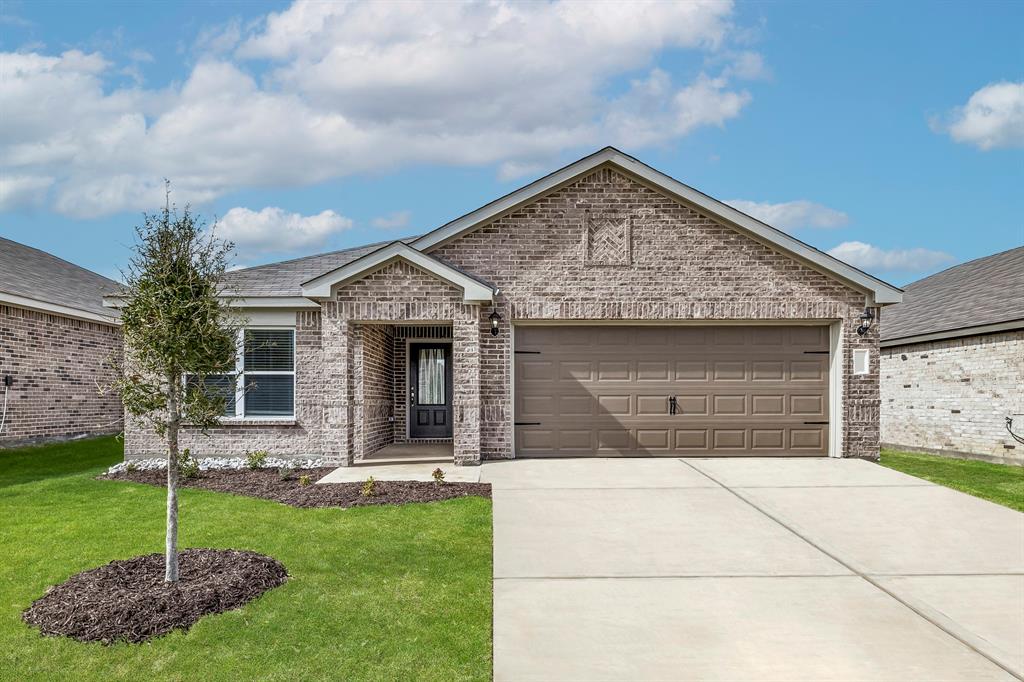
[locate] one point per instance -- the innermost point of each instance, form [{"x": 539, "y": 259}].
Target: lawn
[
  {"x": 999, "y": 483},
  {"x": 376, "y": 593}
]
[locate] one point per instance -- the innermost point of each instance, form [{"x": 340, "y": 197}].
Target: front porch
[
  {"x": 411, "y": 453},
  {"x": 409, "y": 402}
]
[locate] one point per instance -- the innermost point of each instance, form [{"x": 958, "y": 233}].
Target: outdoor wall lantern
[
  {"x": 495, "y": 318},
  {"x": 865, "y": 322}
]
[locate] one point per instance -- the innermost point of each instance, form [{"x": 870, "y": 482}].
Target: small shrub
[
  {"x": 131, "y": 467},
  {"x": 188, "y": 466},
  {"x": 369, "y": 487},
  {"x": 256, "y": 459},
  {"x": 286, "y": 473},
  {"x": 305, "y": 480},
  {"x": 438, "y": 475}
]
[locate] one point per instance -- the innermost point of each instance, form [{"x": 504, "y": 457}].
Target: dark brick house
[
  {"x": 603, "y": 310},
  {"x": 55, "y": 338}
]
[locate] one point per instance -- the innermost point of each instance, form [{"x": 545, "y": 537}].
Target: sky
[{"x": 888, "y": 134}]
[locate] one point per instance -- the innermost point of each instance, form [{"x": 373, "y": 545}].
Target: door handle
[{"x": 673, "y": 406}]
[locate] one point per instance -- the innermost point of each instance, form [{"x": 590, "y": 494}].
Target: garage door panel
[
  {"x": 767, "y": 405},
  {"x": 613, "y": 371},
  {"x": 575, "y": 405},
  {"x": 739, "y": 390},
  {"x": 692, "y": 370},
  {"x": 647, "y": 370},
  {"x": 729, "y": 405},
  {"x": 731, "y": 370},
  {"x": 651, "y": 405},
  {"x": 615, "y": 405},
  {"x": 767, "y": 439},
  {"x": 576, "y": 370}
]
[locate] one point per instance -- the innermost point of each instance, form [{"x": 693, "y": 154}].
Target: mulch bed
[
  {"x": 129, "y": 601},
  {"x": 267, "y": 484}
]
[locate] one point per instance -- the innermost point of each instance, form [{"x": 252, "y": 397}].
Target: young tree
[{"x": 178, "y": 332}]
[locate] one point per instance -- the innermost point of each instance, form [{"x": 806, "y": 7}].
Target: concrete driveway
[{"x": 750, "y": 569}]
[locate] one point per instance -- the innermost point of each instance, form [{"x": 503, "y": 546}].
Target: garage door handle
[
  {"x": 815, "y": 422},
  {"x": 527, "y": 423},
  {"x": 673, "y": 406}
]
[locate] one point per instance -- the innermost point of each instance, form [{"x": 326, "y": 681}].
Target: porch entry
[{"x": 430, "y": 390}]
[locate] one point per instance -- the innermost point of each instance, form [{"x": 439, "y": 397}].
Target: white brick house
[
  {"x": 953, "y": 362},
  {"x": 605, "y": 309}
]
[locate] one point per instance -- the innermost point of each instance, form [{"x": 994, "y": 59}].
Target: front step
[{"x": 373, "y": 461}]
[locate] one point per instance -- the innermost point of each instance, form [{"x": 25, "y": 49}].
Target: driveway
[{"x": 750, "y": 569}]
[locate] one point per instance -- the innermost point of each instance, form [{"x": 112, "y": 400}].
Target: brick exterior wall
[
  {"x": 373, "y": 385},
  {"x": 667, "y": 262},
  {"x": 58, "y": 365},
  {"x": 953, "y": 396},
  {"x": 301, "y": 437},
  {"x": 604, "y": 248}
]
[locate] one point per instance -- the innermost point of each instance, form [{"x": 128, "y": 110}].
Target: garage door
[{"x": 682, "y": 390}]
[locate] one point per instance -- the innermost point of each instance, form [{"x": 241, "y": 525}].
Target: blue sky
[{"x": 889, "y": 133}]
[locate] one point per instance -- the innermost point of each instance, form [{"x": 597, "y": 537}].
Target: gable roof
[
  {"x": 962, "y": 300},
  {"x": 880, "y": 291},
  {"x": 284, "y": 280},
  {"x": 286, "y": 277},
  {"x": 35, "y": 279},
  {"x": 474, "y": 290}
]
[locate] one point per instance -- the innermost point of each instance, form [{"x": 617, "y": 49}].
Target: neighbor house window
[{"x": 263, "y": 383}]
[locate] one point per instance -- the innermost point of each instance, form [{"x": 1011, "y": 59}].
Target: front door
[{"x": 430, "y": 390}]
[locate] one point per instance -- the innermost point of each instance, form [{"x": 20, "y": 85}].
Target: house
[
  {"x": 953, "y": 362},
  {"x": 605, "y": 309},
  {"x": 55, "y": 338}
]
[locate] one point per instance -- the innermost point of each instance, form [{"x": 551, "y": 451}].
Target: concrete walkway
[{"x": 750, "y": 569}]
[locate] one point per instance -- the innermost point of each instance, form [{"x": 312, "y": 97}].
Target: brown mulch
[
  {"x": 267, "y": 484},
  {"x": 128, "y": 600}
]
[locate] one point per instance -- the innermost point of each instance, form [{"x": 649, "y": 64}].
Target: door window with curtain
[{"x": 431, "y": 387}]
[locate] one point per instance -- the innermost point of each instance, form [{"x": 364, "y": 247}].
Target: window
[
  {"x": 861, "y": 361},
  {"x": 266, "y": 365},
  {"x": 431, "y": 376}
]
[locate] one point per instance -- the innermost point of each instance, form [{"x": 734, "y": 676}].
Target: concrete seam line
[
  {"x": 748, "y": 576},
  {"x": 864, "y": 576}
]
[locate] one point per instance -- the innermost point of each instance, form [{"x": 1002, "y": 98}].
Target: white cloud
[
  {"x": 397, "y": 220},
  {"x": 275, "y": 230},
  {"x": 23, "y": 190},
  {"x": 792, "y": 215},
  {"x": 872, "y": 258},
  {"x": 361, "y": 86},
  {"x": 992, "y": 118}
]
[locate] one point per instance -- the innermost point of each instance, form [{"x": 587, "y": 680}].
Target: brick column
[
  {"x": 466, "y": 391},
  {"x": 337, "y": 430}
]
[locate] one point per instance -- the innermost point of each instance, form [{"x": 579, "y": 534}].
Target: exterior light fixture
[
  {"x": 865, "y": 322},
  {"x": 495, "y": 318}
]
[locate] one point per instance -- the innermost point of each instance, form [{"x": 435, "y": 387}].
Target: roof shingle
[
  {"x": 984, "y": 291},
  {"x": 43, "y": 277}
]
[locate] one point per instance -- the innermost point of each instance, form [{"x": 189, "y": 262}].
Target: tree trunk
[{"x": 171, "y": 550}]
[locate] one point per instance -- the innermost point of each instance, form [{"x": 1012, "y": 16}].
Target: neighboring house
[
  {"x": 605, "y": 309},
  {"x": 55, "y": 338},
  {"x": 953, "y": 361}
]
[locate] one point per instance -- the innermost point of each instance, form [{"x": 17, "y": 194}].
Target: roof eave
[{"x": 321, "y": 287}]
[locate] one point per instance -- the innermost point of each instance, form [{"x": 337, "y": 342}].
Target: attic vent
[{"x": 422, "y": 331}]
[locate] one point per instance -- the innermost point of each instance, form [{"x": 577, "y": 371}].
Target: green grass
[
  {"x": 999, "y": 483},
  {"x": 381, "y": 593}
]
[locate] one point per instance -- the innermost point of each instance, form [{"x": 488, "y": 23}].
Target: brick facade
[
  {"x": 674, "y": 264},
  {"x": 59, "y": 371},
  {"x": 603, "y": 248},
  {"x": 953, "y": 396}
]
